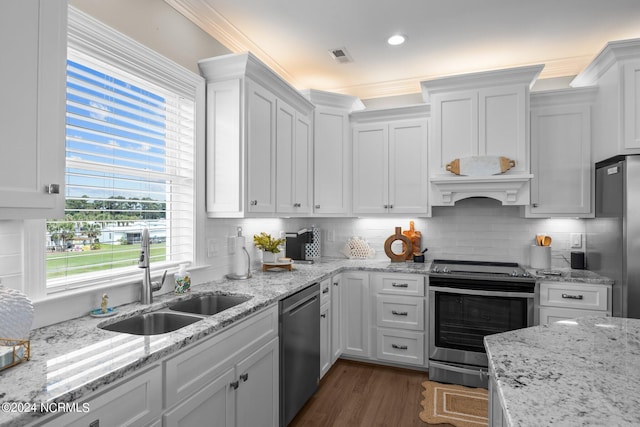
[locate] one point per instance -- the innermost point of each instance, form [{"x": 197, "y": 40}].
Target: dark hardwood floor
[{"x": 355, "y": 394}]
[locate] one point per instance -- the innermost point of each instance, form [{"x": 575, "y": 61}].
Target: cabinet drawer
[
  {"x": 400, "y": 312},
  {"x": 550, "y": 315},
  {"x": 572, "y": 295},
  {"x": 400, "y": 346},
  {"x": 135, "y": 402},
  {"x": 195, "y": 367},
  {"x": 399, "y": 284},
  {"x": 325, "y": 291}
]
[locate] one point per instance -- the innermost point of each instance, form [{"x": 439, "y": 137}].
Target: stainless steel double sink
[{"x": 173, "y": 317}]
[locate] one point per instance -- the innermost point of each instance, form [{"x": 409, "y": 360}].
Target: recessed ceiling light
[{"x": 396, "y": 39}]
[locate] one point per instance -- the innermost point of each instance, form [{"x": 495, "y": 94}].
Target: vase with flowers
[{"x": 269, "y": 246}]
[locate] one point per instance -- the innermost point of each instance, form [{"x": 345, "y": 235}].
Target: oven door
[{"x": 461, "y": 318}]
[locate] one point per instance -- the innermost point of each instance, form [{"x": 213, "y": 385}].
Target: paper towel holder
[{"x": 247, "y": 275}]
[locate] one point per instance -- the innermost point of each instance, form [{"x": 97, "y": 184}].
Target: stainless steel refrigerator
[{"x": 613, "y": 237}]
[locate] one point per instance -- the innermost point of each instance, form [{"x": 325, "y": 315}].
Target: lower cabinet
[
  {"x": 568, "y": 300},
  {"x": 137, "y": 399},
  {"x": 496, "y": 412},
  {"x": 325, "y": 338},
  {"x": 384, "y": 317},
  {"x": 230, "y": 379}
]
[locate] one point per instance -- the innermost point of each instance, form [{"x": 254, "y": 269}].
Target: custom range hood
[{"x": 480, "y": 116}]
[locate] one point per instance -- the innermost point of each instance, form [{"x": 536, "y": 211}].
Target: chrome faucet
[{"x": 148, "y": 287}]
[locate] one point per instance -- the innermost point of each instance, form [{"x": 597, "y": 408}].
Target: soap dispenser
[{"x": 183, "y": 280}]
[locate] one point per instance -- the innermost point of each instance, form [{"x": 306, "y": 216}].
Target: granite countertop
[
  {"x": 570, "y": 276},
  {"x": 71, "y": 359},
  {"x": 581, "y": 372}
]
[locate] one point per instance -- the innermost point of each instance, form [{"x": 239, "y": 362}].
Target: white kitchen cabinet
[
  {"x": 234, "y": 373},
  {"x": 332, "y": 151},
  {"x": 561, "y": 154},
  {"x": 137, "y": 400},
  {"x": 568, "y": 300},
  {"x": 261, "y": 149},
  {"x": 258, "y": 140},
  {"x": 212, "y": 406},
  {"x": 390, "y": 166},
  {"x": 355, "y": 314},
  {"x": 337, "y": 324},
  {"x": 616, "y": 112},
  {"x": 400, "y": 318},
  {"x": 33, "y": 43},
  {"x": 293, "y": 160},
  {"x": 480, "y": 114},
  {"x": 325, "y": 338}
]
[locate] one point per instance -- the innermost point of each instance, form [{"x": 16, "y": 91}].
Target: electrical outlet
[{"x": 576, "y": 240}]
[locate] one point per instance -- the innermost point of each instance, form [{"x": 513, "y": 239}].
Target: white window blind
[{"x": 129, "y": 165}]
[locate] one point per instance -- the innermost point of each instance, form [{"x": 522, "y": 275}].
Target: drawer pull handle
[
  {"x": 400, "y": 285},
  {"x": 244, "y": 377},
  {"x": 234, "y": 385},
  {"x": 399, "y": 347},
  {"x": 567, "y": 296},
  {"x": 325, "y": 291},
  {"x": 399, "y": 313},
  {"x": 336, "y": 283},
  {"x": 323, "y": 315}
]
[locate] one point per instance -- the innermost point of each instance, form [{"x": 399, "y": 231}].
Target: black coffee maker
[{"x": 296, "y": 244}]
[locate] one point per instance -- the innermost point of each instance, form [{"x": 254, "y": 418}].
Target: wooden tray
[{"x": 480, "y": 165}]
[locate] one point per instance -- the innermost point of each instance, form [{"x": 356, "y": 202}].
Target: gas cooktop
[{"x": 479, "y": 269}]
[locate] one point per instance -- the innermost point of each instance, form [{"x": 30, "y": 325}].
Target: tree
[{"x": 92, "y": 230}]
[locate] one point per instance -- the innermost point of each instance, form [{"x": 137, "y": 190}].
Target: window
[{"x": 130, "y": 138}]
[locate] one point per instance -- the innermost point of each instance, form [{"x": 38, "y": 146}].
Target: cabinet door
[
  {"x": 337, "y": 331},
  {"x": 285, "y": 157},
  {"x": 550, "y": 315},
  {"x": 561, "y": 161},
  {"x": 302, "y": 165},
  {"x": 211, "y": 406},
  {"x": 370, "y": 169},
  {"x": 502, "y": 124},
  {"x": 355, "y": 313},
  {"x": 408, "y": 178},
  {"x": 455, "y": 129},
  {"x": 631, "y": 102},
  {"x": 257, "y": 400},
  {"x": 32, "y": 111},
  {"x": 332, "y": 163},
  {"x": 261, "y": 160},
  {"x": 325, "y": 338}
]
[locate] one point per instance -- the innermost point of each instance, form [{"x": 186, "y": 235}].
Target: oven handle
[{"x": 482, "y": 293}]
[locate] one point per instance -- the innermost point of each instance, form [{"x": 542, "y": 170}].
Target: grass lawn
[{"x": 60, "y": 264}]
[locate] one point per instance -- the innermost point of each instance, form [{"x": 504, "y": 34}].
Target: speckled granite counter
[
  {"x": 571, "y": 276},
  {"x": 74, "y": 358},
  {"x": 584, "y": 372}
]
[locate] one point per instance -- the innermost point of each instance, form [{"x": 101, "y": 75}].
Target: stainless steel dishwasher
[{"x": 299, "y": 350}]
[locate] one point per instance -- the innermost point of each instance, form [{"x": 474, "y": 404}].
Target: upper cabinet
[
  {"x": 480, "y": 114},
  {"x": 616, "y": 73},
  {"x": 33, "y": 44},
  {"x": 390, "y": 161},
  {"x": 561, "y": 153},
  {"x": 332, "y": 151},
  {"x": 259, "y": 140}
]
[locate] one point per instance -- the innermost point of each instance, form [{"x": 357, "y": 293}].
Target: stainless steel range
[{"x": 468, "y": 300}]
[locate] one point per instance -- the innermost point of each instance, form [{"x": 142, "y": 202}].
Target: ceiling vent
[{"x": 340, "y": 55}]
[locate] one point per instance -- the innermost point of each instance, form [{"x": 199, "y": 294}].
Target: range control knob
[
  {"x": 526, "y": 274},
  {"x": 445, "y": 269},
  {"x": 514, "y": 273},
  {"x": 434, "y": 269}
]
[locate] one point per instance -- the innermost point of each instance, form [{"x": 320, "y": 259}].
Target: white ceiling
[{"x": 445, "y": 37}]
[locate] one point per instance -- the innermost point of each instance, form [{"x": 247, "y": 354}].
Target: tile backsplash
[
  {"x": 11, "y": 254},
  {"x": 478, "y": 229}
]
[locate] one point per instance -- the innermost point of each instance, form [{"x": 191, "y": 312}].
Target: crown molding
[{"x": 611, "y": 54}]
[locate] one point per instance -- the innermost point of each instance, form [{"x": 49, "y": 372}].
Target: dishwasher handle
[
  {"x": 301, "y": 305},
  {"x": 300, "y": 300}
]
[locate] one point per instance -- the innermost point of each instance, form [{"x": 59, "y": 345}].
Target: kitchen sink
[
  {"x": 152, "y": 323},
  {"x": 209, "y": 304}
]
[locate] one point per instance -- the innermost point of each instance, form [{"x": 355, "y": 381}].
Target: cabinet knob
[
  {"x": 386, "y": 206},
  {"x": 317, "y": 206},
  {"x": 535, "y": 205},
  {"x": 244, "y": 377},
  {"x": 52, "y": 189},
  {"x": 296, "y": 205},
  {"x": 336, "y": 283},
  {"x": 253, "y": 202},
  {"x": 325, "y": 291},
  {"x": 323, "y": 315},
  {"x": 390, "y": 206},
  {"x": 234, "y": 385}
]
